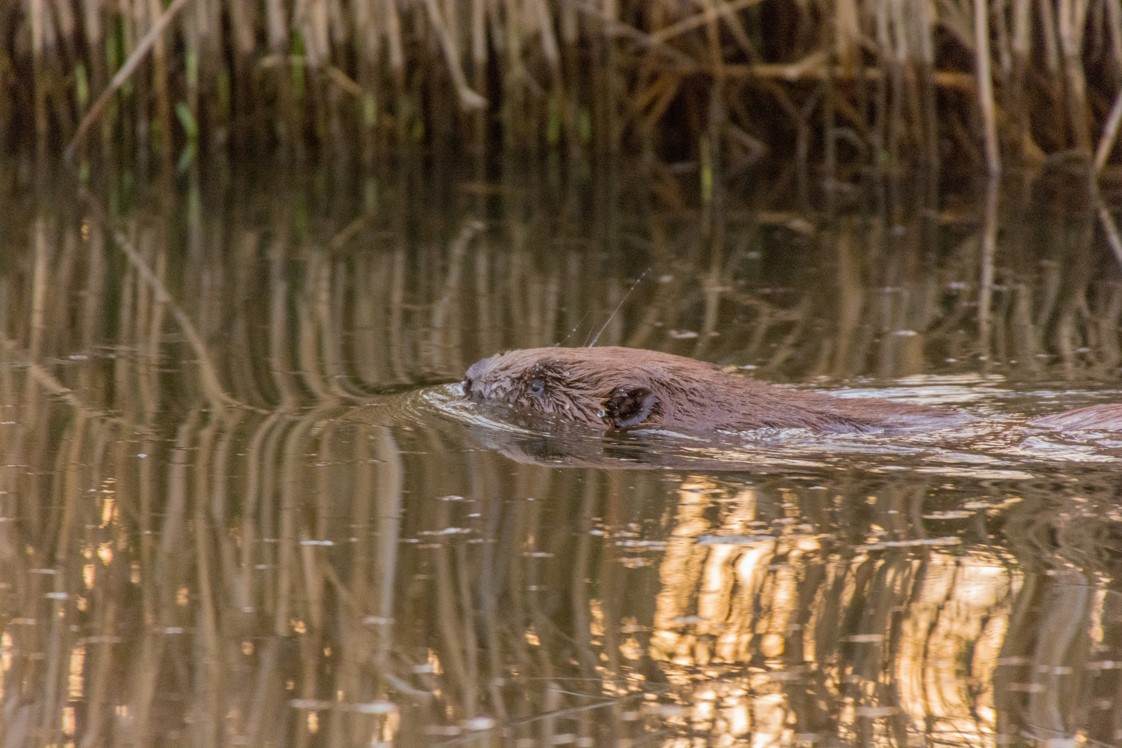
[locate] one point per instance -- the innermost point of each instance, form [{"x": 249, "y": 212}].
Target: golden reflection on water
[
  {"x": 233, "y": 509},
  {"x": 724, "y": 604}
]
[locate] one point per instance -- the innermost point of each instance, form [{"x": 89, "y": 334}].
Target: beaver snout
[
  {"x": 471, "y": 388},
  {"x": 472, "y": 379}
]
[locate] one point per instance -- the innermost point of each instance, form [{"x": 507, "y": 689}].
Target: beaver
[{"x": 622, "y": 389}]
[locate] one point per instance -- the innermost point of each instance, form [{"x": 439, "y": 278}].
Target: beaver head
[{"x": 604, "y": 391}]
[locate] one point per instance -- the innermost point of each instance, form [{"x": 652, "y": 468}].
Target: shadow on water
[{"x": 237, "y": 505}]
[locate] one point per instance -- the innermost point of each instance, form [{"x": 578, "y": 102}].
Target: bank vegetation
[{"x": 969, "y": 83}]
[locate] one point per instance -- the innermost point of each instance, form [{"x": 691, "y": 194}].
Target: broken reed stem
[{"x": 605, "y": 77}]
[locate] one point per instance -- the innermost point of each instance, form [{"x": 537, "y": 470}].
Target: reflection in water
[
  {"x": 855, "y": 639},
  {"x": 230, "y": 513}
]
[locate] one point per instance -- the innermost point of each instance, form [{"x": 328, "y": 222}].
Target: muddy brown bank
[{"x": 622, "y": 389}]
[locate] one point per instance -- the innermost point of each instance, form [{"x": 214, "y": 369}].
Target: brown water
[{"x": 242, "y": 501}]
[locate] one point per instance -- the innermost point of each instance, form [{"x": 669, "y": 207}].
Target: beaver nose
[{"x": 473, "y": 375}]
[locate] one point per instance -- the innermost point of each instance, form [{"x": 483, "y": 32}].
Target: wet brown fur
[
  {"x": 620, "y": 389},
  {"x": 1092, "y": 418}
]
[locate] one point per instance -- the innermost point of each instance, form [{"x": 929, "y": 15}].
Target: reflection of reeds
[
  {"x": 251, "y": 578},
  {"x": 866, "y": 81},
  {"x": 261, "y": 316},
  {"x": 175, "y": 565}
]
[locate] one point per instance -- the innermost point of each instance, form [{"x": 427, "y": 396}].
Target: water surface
[{"x": 242, "y": 501}]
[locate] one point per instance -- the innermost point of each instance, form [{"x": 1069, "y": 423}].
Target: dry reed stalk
[
  {"x": 985, "y": 87},
  {"x": 276, "y": 23},
  {"x": 469, "y": 100},
  {"x": 880, "y": 124},
  {"x": 160, "y": 82},
  {"x": 1110, "y": 134},
  {"x": 1113, "y": 24},
  {"x": 1053, "y": 82},
  {"x": 479, "y": 57},
  {"x": 37, "y": 11},
  {"x": 1072, "y": 18},
  {"x": 928, "y": 113},
  {"x": 903, "y": 54},
  {"x": 1016, "y": 95},
  {"x": 1110, "y": 229},
  {"x": 369, "y": 52}
]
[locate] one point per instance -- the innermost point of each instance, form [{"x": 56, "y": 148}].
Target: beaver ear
[{"x": 629, "y": 407}]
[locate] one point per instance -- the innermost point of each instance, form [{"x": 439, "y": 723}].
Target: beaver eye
[{"x": 537, "y": 387}]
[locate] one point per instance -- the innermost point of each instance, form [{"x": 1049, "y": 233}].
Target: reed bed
[{"x": 962, "y": 83}]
